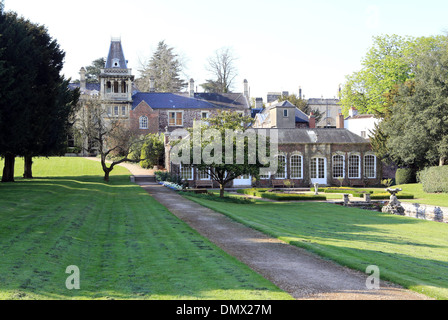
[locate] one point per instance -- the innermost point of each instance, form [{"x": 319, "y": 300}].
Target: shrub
[
  {"x": 404, "y": 176},
  {"x": 257, "y": 192},
  {"x": 153, "y": 151},
  {"x": 434, "y": 179},
  {"x": 213, "y": 197},
  {"x": 291, "y": 196}
]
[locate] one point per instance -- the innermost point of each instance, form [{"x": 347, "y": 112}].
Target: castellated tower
[{"x": 116, "y": 83}]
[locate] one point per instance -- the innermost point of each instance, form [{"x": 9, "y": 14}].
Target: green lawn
[
  {"x": 126, "y": 245},
  {"x": 408, "y": 251}
]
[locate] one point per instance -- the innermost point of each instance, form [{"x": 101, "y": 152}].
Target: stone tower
[{"x": 116, "y": 83}]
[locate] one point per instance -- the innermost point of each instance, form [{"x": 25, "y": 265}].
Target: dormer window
[{"x": 115, "y": 63}]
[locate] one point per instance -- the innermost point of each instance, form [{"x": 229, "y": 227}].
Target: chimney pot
[{"x": 191, "y": 89}]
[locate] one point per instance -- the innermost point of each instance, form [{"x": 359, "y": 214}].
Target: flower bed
[{"x": 171, "y": 185}]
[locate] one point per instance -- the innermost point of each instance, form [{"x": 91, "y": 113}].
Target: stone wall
[{"x": 426, "y": 212}]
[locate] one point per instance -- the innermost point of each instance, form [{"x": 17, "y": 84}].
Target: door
[{"x": 318, "y": 171}]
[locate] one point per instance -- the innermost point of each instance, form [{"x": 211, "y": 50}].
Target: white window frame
[
  {"x": 300, "y": 171},
  {"x": 333, "y": 166},
  {"x": 205, "y": 172},
  {"x": 285, "y": 169},
  {"x": 123, "y": 111},
  {"x": 191, "y": 172},
  {"x": 350, "y": 166},
  {"x": 374, "y": 166},
  {"x": 285, "y": 113},
  {"x": 141, "y": 123},
  {"x": 116, "y": 111}
]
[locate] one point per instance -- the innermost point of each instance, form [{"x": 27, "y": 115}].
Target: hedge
[
  {"x": 386, "y": 196},
  {"x": 257, "y": 192},
  {"x": 434, "y": 179},
  {"x": 404, "y": 176},
  {"x": 291, "y": 196}
]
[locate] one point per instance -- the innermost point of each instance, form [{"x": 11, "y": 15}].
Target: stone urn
[{"x": 394, "y": 206}]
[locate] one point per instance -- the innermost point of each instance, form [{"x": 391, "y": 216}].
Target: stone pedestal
[{"x": 394, "y": 206}]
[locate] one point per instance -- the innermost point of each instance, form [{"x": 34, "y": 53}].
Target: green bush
[
  {"x": 213, "y": 197},
  {"x": 434, "y": 179},
  {"x": 152, "y": 151},
  {"x": 257, "y": 192},
  {"x": 291, "y": 196},
  {"x": 404, "y": 176}
]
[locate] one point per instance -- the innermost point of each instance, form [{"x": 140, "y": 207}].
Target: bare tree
[
  {"x": 222, "y": 67},
  {"x": 111, "y": 137}
]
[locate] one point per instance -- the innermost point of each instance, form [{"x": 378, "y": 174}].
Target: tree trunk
[
  {"x": 221, "y": 190},
  {"x": 106, "y": 175},
  {"x": 442, "y": 161},
  {"x": 28, "y": 172},
  {"x": 8, "y": 169}
]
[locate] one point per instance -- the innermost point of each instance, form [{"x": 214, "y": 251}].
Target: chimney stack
[
  {"x": 246, "y": 89},
  {"x": 191, "y": 88},
  {"x": 82, "y": 79},
  {"x": 152, "y": 84},
  {"x": 312, "y": 121},
  {"x": 340, "y": 121},
  {"x": 300, "y": 92}
]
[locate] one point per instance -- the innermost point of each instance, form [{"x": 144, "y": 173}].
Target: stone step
[{"x": 143, "y": 179}]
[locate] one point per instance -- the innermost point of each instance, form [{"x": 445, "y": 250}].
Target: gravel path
[{"x": 294, "y": 270}]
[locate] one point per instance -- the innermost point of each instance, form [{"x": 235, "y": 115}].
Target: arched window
[
  {"x": 296, "y": 167},
  {"x": 143, "y": 122}
]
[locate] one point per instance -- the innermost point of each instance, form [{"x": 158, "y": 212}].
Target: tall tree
[
  {"x": 53, "y": 103},
  {"x": 417, "y": 129},
  {"x": 18, "y": 75},
  {"x": 389, "y": 63},
  {"x": 93, "y": 71},
  {"x": 165, "y": 67},
  {"x": 223, "y": 70}
]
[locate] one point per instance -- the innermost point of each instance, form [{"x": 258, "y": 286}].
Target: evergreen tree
[
  {"x": 35, "y": 100},
  {"x": 165, "y": 68},
  {"x": 17, "y": 78}
]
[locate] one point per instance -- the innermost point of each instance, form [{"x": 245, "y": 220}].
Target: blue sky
[{"x": 280, "y": 45}]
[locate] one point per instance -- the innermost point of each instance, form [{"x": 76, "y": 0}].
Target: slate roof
[
  {"x": 320, "y": 135},
  {"x": 159, "y": 100},
  {"x": 116, "y": 52}
]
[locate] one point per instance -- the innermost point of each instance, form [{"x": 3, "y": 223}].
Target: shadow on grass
[
  {"x": 412, "y": 252},
  {"x": 126, "y": 245}
]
